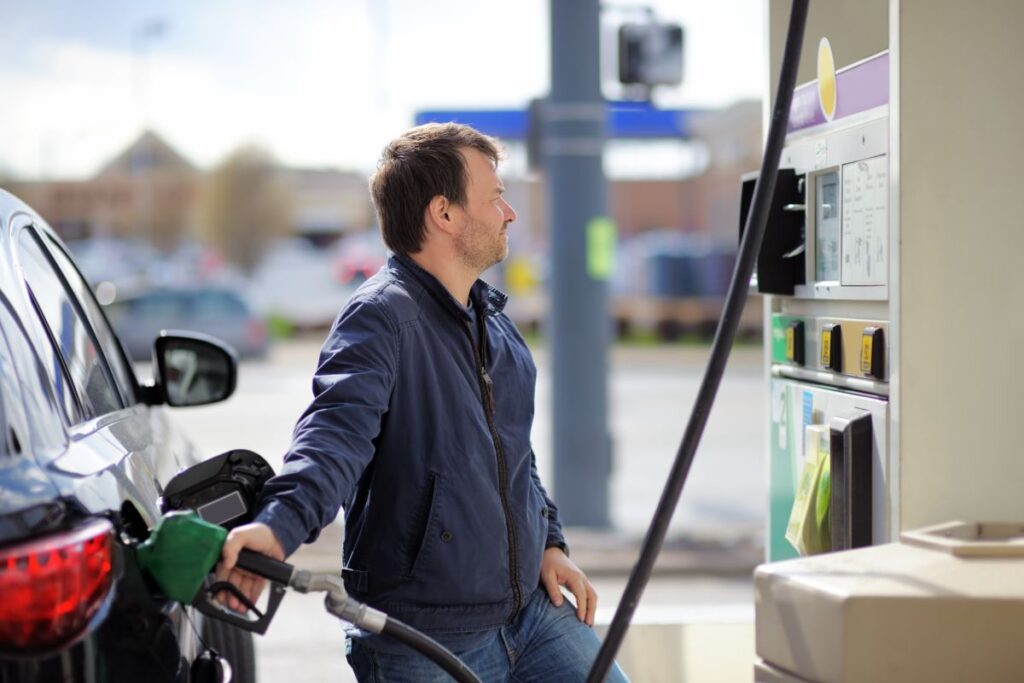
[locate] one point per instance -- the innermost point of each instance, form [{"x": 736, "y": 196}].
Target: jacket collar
[{"x": 491, "y": 299}]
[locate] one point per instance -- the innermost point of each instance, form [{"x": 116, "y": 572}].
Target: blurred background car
[
  {"x": 85, "y": 452},
  {"x": 293, "y": 283},
  {"x": 133, "y": 265},
  {"x": 124, "y": 263},
  {"x": 358, "y": 256},
  {"x": 214, "y": 310}
]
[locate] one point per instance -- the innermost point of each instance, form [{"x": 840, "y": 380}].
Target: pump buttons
[
  {"x": 872, "y": 352},
  {"x": 795, "y": 342},
  {"x": 832, "y": 347}
]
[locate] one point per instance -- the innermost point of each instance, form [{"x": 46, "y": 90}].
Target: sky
[{"x": 318, "y": 83}]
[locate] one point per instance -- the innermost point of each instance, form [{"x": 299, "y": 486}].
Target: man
[{"x": 420, "y": 429}]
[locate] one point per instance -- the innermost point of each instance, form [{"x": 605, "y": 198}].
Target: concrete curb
[
  {"x": 611, "y": 553},
  {"x": 601, "y": 553}
]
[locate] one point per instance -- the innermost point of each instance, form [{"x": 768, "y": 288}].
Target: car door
[{"x": 121, "y": 450}]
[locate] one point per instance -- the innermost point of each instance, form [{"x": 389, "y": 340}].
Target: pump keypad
[
  {"x": 795, "y": 342},
  {"x": 872, "y": 352},
  {"x": 832, "y": 347}
]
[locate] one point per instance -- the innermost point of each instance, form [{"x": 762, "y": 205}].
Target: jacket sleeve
[
  {"x": 555, "y": 537},
  {"x": 333, "y": 439}
]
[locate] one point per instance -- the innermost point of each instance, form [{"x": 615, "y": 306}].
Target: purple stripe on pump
[{"x": 859, "y": 87}]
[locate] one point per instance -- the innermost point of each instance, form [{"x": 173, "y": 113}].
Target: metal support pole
[{"x": 573, "y": 140}]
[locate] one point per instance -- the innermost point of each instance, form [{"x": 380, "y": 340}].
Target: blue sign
[
  {"x": 508, "y": 124},
  {"x": 634, "y": 120}
]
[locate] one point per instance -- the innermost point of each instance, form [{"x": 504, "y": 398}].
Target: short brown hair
[{"x": 417, "y": 166}]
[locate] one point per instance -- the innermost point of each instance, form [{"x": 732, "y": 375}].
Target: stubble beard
[{"x": 478, "y": 252}]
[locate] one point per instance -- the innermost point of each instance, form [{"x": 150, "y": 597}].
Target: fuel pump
[
  {"x": 882, "y": 265},
  {"x": 824, "y": 270}
]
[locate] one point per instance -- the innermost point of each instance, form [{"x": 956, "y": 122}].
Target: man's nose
[{"x": 510, "y": 213}]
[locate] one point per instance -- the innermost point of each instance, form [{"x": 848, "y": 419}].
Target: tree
[{"x": 244, "y": 205}]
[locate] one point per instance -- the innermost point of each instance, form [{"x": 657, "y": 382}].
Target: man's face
[{"x": 482, "y": 239}]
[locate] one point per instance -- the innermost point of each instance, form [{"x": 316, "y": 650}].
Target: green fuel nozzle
[{"x": 182, "y": 551}]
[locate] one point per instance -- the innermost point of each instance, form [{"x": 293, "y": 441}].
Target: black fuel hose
[
  {"x": 724, "y": 335},
  {"x": 284, "y": 574},
  {"x": 431, "y": 649}
]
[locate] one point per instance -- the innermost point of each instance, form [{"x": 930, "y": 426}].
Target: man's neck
[{"x": 455, "y": 277}]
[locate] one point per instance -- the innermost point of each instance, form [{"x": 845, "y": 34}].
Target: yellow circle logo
[{"x": 826, "y": 79}]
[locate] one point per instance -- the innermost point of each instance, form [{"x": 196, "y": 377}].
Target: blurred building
[
  {"x": 328, "y": 203},
  {"x": 735, "y": 144},
  {"x": 150, "y": 191},
  {"x": 704, "y": 200},
  {"x": 678, "y": 227}
]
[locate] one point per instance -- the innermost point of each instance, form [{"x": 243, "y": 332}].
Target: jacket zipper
[{"x": 487, "y": 395}]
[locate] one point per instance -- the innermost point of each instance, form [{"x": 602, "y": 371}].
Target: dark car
[
  {"x": 85, "y": 452},
  {"x": 213, "y": 310}
]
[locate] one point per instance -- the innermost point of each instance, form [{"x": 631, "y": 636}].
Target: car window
[
  {"x": 10, "y": 439},
  {"x": 9, "y": 443},
  {"x": 104, "y": 335},
  {"x": 158, "y": 305},
  {"x": 216, "y": 305},
  {"x": 26, "y": 398},
  {"x": 68, "y": 331},
  {"x": 53, "y": 364}
]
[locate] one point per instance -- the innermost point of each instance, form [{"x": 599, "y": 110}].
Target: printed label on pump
[{"x": 865, "y": 212}]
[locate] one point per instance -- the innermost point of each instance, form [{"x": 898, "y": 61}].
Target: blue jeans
[{"x": 545, "y": 644}]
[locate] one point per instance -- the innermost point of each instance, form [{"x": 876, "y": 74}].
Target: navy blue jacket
[{"x": 420, "y": 429}]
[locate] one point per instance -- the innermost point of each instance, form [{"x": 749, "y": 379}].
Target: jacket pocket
[{"x": 421, "y": 523}]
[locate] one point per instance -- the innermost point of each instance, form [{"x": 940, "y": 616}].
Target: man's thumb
[{"x": 229, "y": 553}]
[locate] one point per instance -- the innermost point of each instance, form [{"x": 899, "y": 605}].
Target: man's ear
[{"x": 439, "y": 212}]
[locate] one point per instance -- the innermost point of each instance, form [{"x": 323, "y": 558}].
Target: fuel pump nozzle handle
[
  {"x": 277, "y": 572},
  {"x": 267, "y": 567}
]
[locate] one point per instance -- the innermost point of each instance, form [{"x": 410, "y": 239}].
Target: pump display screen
[{"x": 827, "y": 227}]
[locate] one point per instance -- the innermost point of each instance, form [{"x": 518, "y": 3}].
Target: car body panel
[
  {"x": 24, "y": 498},
  {"x": 113, "y": 465}
]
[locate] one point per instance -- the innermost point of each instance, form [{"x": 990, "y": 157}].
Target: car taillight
[{"x": 52, "y": 586}]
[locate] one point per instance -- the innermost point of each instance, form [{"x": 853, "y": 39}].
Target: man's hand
[
  {"x": 557, "y": 570},
  {"x": 257, "y": 537}
]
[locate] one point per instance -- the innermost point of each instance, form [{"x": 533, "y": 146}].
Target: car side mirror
[{"x": 193, "y": 369}]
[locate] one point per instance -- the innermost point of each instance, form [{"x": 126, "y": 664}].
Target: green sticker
[{"x": 601, "y": 239}]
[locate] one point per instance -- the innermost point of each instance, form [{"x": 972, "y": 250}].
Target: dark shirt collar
[{"x": 489, "y": 299}]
